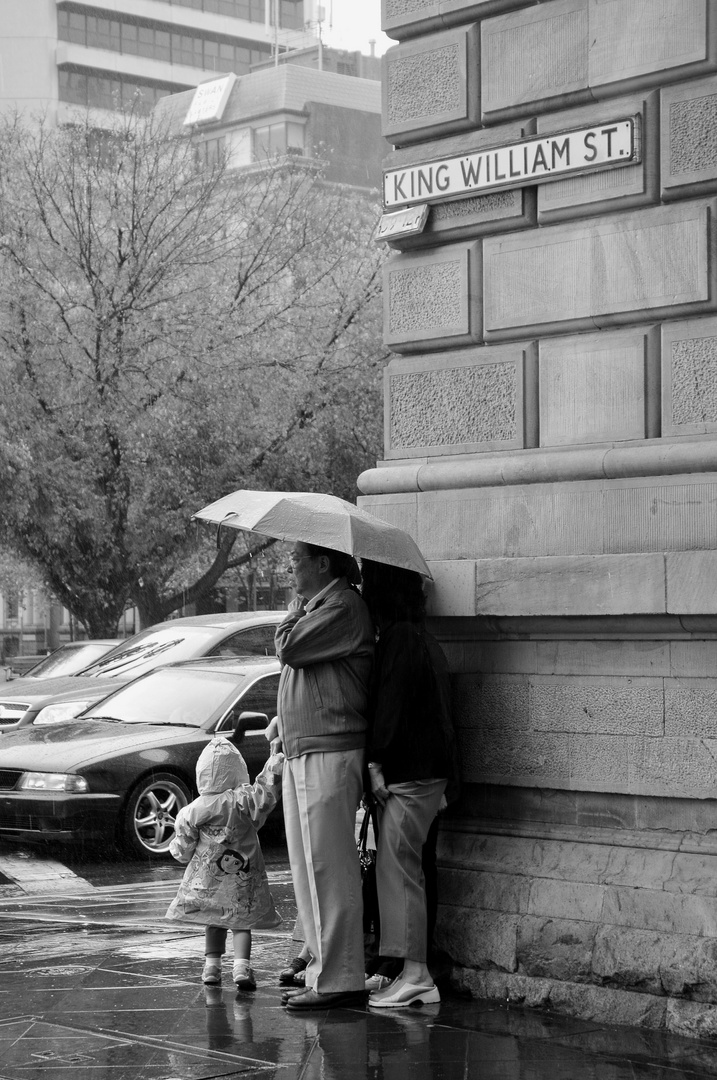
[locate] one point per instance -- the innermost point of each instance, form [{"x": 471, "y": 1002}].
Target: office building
[{"x": 56, "y": 55}]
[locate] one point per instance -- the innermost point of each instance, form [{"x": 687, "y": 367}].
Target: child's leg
[
  {"x": 215, "y": 938},
  {"x": 241, "y": 973},
  {"x": 242, "y": 944}
]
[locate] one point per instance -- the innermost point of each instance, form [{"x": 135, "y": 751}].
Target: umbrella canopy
[{"x": 323, "y": 520}]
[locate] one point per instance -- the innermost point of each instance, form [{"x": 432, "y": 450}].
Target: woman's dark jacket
[{"x": 411, "y": 734}]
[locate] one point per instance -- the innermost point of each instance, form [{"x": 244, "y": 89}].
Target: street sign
[{"x": 531, "y": 161}]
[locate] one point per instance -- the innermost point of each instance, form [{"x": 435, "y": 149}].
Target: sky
[{"x": 354, "y": 23}]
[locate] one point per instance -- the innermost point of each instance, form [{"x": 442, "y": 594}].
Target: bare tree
[{"x": 170, "y": 332}]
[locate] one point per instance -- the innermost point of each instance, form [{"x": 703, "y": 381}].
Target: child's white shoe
[
  {"x": 212, "y": 971},
  {"x": 243, "y": 975}
]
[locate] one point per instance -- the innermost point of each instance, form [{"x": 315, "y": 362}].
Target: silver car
[{"x": 50, "y": 701}]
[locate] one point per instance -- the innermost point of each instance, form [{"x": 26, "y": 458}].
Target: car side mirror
[{"x": 250, "y": 723}]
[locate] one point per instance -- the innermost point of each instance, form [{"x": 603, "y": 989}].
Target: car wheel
[{"x": 148, "y": 824}]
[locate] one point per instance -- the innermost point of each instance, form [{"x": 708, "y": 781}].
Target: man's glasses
[{"x": 294, "y": 559}]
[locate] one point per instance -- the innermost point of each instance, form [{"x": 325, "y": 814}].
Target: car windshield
[
  {"x": 171, "y": 696},
  {"x": 152, "y": 647},
  {"x": 68, "y": 659}
]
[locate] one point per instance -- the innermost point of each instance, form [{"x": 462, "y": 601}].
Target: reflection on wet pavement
[{"x": 97, "y": 986}]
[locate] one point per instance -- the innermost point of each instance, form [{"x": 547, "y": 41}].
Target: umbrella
[{"x": 318, "y": 519}]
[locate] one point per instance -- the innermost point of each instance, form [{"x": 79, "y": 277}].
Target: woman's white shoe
[{"x": 401, "y": 993}]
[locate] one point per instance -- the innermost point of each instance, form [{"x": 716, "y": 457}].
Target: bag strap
[{"x": 370, "y": 817}]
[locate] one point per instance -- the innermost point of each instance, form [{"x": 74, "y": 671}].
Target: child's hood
[{"x": 220, "y": 767}]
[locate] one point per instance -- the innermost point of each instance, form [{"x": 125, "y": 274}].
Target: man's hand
[
  {"x": 297, "y": 605},
  {"x": 271, "y": 734}
]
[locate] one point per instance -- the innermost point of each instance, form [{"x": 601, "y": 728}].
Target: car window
[
  {"x": 260, "y": 697},
  {"x": 68, "y": 659},
  {"x": 150, "y": 648},
  {"x": 171, "y": 696},
  {"x": 255, "y": 641}
]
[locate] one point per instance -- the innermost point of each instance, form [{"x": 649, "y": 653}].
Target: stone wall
[{"x": 551, "y": 443}]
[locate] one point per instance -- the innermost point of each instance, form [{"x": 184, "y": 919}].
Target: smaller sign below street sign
[
  {"x": 497, "y": 168},
  {"x": 407, "y": 222}
]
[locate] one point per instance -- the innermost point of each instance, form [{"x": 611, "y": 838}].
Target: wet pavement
[{"x": 94, "y": 985}]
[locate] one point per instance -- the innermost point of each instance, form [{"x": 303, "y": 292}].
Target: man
[{"x": 325, "y": 644}]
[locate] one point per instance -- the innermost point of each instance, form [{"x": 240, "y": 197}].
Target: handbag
[{"x": 367, "y": 859}]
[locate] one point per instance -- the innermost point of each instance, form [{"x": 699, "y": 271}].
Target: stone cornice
[{"x": 651, "y": 458}]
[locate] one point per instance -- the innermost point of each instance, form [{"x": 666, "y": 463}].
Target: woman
[{"x": 411, "y": 760}]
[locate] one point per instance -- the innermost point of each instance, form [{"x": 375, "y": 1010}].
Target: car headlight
[
  {"x": 53, "y": 781},
  {"x": 55, "y": 714}
]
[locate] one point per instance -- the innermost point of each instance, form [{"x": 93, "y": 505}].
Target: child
[{"x": 225, "y": 885}]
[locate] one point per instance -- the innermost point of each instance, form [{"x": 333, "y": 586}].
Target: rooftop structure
[{"x": 287, "y": 109}]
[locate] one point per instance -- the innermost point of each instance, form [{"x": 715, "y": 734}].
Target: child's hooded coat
[{"x": 225, "y": 883}]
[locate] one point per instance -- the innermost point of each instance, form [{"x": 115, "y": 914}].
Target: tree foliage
[{"x": 169, "y": 333}]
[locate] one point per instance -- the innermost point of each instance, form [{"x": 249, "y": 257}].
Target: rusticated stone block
[
  {"x": 456, "y": 404},
  {"x": 555, "y": 948},
  {"x": 691, "y": 874},
  {"x": 672, "y": 766},
  {"x": 688, "y": 138},
  {"x": 693, "y": 659},
  {"x": 691, "y": 1019},
  {"x": 660, "y": 514},
  {"x": 593, "y": 388},
  {"x": 649, "y": 909},
  {"x": 655, "y": 962},
  {"x": 533, "y": 56},
  {"x": 536, "y": 59},
  {"x": 577, "y": 585},
  {"x": 689, "y": 377},
  {"x": 691, "y": 707},
  {"x": 536, "y": 759},
  {"x": 491, "y": 892},
  {"x": 495, "y": 701},
  {"x": 618, "y": 657},
  {"x": 481, "y": 938},
  {"x": 453, "y": 591},
  {"x": 646, "y": 41},
  {"x": 598, "y": 762},
  {"x": 432, "y": 298},
  {"x": 599, "y": 1004},
  {"x": 653, "y": 263},
  {"x": 430, "y": 87},
  {"x": 625, "y": 188},
  {"x": 418, "y": 16},
  {"x": 566, "y": 900},
  {"x": 607, "y": 705},
  {"x": 688, "y": 574}
]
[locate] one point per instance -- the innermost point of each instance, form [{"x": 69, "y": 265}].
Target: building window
[
  {"x": 278, "y": 139},
  {"x": 291, "y": 16},
  {"x": 291, "y": 12},
  {"x": 100, "y": 91},
  {"x": 203, "y": 51},
  {"x": 209, "y": 151}
]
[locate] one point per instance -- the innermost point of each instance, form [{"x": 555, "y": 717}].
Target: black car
[{"x": 122, "y": 770}]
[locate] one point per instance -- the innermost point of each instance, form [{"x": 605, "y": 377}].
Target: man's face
[{"x": 306, "y": 570}]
